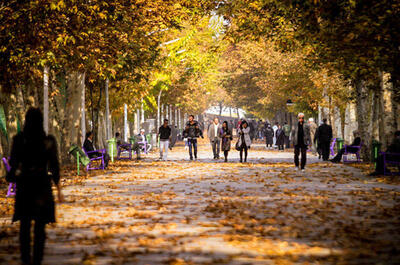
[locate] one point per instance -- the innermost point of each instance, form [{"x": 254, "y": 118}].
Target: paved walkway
[{"x": 210, "y": 212}]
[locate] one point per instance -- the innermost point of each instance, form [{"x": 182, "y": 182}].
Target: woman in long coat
[
  {"x": 280, "y": 138},
  {"x": 244, "y": 141},
  {"x": 33, "y": 155},
  {"x": 226, "y": 135},
  {"x": 269, "y": 136}
]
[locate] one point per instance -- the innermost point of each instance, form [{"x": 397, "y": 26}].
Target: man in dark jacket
[
  {"x": 323, "y": 137},
  {"x": 301, "y": 139},
  {"x": 192, "y": 132},
  {"x": 89, "y": 147},
  {"x": 393, "y": 148},
  {"x": 164, "y": 132}
]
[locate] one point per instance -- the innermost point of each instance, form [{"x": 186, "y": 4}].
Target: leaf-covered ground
[{"x": 210, "y": 212}]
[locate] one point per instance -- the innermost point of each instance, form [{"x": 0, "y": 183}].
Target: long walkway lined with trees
[{"x": 108, "y": 74}]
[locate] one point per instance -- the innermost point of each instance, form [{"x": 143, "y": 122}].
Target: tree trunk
[
  {"x": 363, "y": 117},
  {"x": 46, "y": 99},
  {"x": 108, "y": 122},
  {"x": 83, "y": 107}
]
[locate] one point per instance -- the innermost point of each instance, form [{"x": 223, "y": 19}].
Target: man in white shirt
[{"x": 213, "y": 135}]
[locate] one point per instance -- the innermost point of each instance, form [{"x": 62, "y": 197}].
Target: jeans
[
  {"x": 192, "y": 144},
  {"x": 25, "y": 241},
  {"x": 164, "y": 149},
  {"x": 244, "y": 148},
  {"x": 303, "y": 150},
  {"x": 215, "y": 147}
]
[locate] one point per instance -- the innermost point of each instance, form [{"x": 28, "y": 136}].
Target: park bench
[
  {"x": 80, "y": 156},
  {"x": 12, "y": 187},
  {"x": 124, "y": 148},
  {"x": 100, "y": 158},
  {"x": 333, "y": 147},
  {"x": 348, "y": 152},
  {"x": 390, "y": 159}
]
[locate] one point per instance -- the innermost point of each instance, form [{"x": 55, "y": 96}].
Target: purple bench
[
  {"x": 390, "y": 158},
  {"x": 333, "y": 147},
  {"x": 97, "y": 158},
  {"x": 12, "y": 187},
  {"x": 348, "y": 152},
  {"x": 124, "y": 147}
]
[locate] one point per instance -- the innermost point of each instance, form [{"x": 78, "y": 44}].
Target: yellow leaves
[{"x": 57, "y": 5}]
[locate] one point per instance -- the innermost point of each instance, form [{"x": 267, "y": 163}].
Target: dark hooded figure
[
  {"x": 280, "y": 138},
  {"x": 33, "y": 157},
  {"x": 269, "y": 135}
]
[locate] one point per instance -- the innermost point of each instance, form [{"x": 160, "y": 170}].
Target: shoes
[
  {"x": 303, "y": 170},
  {"x": 226, "y": 160},
  {"x": 191, "y": 158},
  {"x": 297, "y": 168},
  {"x": 241, "y": 161}
]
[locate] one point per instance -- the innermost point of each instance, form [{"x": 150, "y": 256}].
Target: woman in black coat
[
  {"x": 269, "y": 135},
  {"x": 280, "y": 138},
  {"x": 33, "y": 155}
]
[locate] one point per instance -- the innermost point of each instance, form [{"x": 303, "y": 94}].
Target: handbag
[{"x": 237, "y": 147}]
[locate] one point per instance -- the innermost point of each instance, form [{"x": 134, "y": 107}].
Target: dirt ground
[{"x": 210, "y": 212}]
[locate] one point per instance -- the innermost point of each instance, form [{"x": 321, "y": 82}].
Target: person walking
[
  {"x": 192, "y": 132},
  {"x": 244, "y": 141},
  {"x": 164, "y": 132},
  {"x": 213, "y": 135},
  {"x": 280, "y": 138},
  {"x": 323, "y": 136},
  {"x": 269, "y": 135},
  {"x": 301, "y": 139},
  {"x": 313, "y": 128},
  {"x": 226, "y": 137},
  {"x": 275, "y": 128},
  {"x": 287, "y": 130},
  {"x": 34, "y": 167}
]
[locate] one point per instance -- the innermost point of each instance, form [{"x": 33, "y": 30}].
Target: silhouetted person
[
  {"x": 33, "y": 156},
  {"x": 89, "y": 147},
  {"x": 323, "y": 137},
  {"x": 301, "y": 139}
]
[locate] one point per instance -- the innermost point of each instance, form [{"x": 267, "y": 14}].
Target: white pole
[
  {"x": 158, "y": 109},
  {"x": 46, "y": 99},
  {"x": 83, "y": 109},
  {"x": 142, "y": 113},
  {"x": 162, "y": 114},
  {"x": 108, "y": 129},
  {"x": 125, "y": 123},
  {"x": 138, "y": 120},
  {"x": 176, "y": 117},
  {"x": 179, "y": 119}
]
